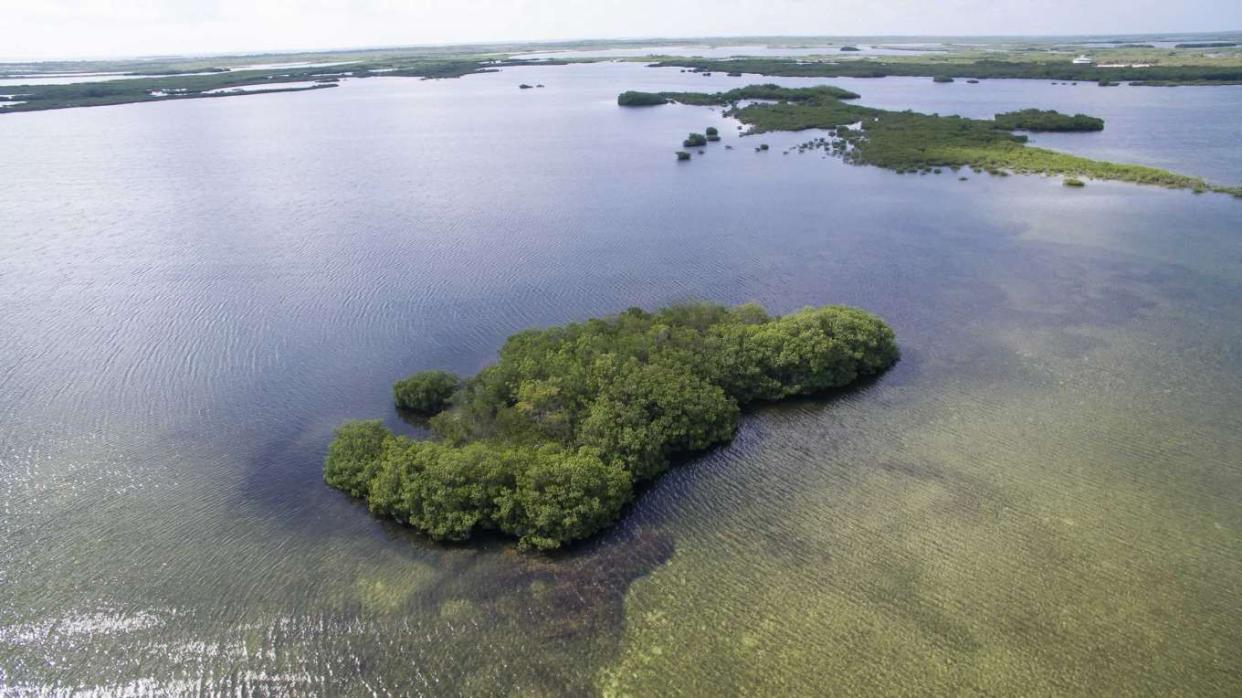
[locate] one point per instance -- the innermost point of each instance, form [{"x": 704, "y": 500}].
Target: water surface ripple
[{"x": 1041, "y": 498}]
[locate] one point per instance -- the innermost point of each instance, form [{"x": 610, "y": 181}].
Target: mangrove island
[
  {"x": 908, "y": 141},
  {"x": 549, "y": 443}
]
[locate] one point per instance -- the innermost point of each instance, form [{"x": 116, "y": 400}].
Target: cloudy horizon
[{"x": 76, "y": 29}]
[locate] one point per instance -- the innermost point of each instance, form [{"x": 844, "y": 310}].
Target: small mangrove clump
[
  {"x": 1074, "y": 182},
  {"x": 640, "y": 99},
  {"x": 550, "y": 443},
  {"x": 713, "y": 134},
  {"x": 694, "y": 140},
  {"x": 427, "y": 392},
  {"x": 683, "y": 155},
  {"x": 942, "y": 78}
]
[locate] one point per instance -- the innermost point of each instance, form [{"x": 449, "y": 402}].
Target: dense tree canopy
[
  {"x": 1050, "y": 120},
  {"x": 427, "y": 392},
  {"x": 548, "y": 443},
  {"x": 640, "y": 99}
]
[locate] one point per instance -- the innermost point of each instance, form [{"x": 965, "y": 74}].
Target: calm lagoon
[{"x": 1042, "y": 497}]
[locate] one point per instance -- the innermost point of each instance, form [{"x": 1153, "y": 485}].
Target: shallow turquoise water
[{"x": 1041, "y": 497}]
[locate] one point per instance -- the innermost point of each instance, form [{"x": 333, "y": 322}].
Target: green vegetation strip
[
  {"x": 1056, "y": 69},
  {"x": 175, "y": 86},
  {"x": 548, "y": 444},
  {"x": 911, "y": 142},
  {"x": 767, "y": 92},
  {"x": 1208, "y": 44}
]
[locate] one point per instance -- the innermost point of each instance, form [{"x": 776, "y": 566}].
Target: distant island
[
  {"x": 161, "y": 85},
  {"x": 1047, "y": 68},
  {"x": 1208, "y": 44},
  {"x": 125, "y": 81},
  {"x": 907, "y": 141},
  {"x": 550, "y": 442}
]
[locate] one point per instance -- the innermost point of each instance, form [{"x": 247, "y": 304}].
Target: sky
[{"x": 46, "y": 29}]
